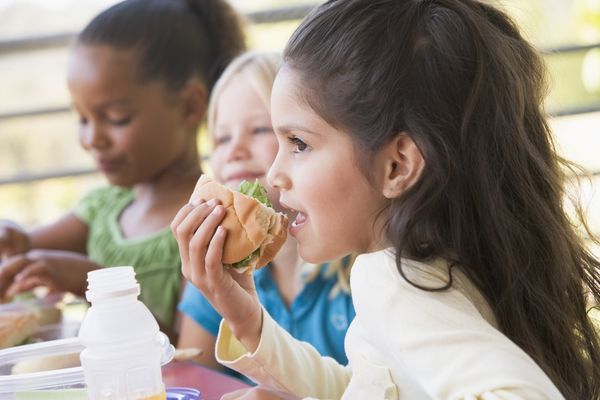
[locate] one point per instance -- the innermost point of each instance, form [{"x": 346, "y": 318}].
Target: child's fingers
[
  {"x": 201, "y": 238},
  {"x": 214, "y": 255},
  {"x": 191, "y": 211},
  {"x": 193, "y": 220},
  {"x": 29, "y": 284},
  {"x": 180, "y": 216},
  {"x": 34, "y": 275},
  {"x": 9, "y": 268},
  {"x": 36, "y": 268}
]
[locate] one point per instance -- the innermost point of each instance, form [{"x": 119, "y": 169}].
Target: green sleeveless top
[{"x": 155, "y": 258}]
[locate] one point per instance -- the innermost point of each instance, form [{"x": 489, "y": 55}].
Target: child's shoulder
[
  {"x": 381, "y": 269},
  {"x": 107, "y": 193},
  {"x": 376, "y": 278},
  {"x": 376, "y": 281},
  {"x": 105, "y": 198}
]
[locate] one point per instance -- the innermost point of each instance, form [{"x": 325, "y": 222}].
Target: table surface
[{"x": 211, "y": 383}]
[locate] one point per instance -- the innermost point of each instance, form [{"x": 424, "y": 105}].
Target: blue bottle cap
[{"x": 183, "y": 393}]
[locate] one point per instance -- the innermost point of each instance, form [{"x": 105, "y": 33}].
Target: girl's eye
[
  {"x": 298, "y": 143},
  {"x": 263, "y": 129},
  {"x": 119, "y": 121},
  {"x": 222, "y": 139},
  {"x": 83, "y": 121}
]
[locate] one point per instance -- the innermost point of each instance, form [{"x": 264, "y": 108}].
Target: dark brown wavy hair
[
  {"x": 460, "y": 80},
  {"x": 175, "y": 39}
]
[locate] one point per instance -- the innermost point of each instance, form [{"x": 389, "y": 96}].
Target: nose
[
  {"x": 277, "y": 177},
  {"x": 238, "y": 148},
  {"x": 92, "y": 136}
]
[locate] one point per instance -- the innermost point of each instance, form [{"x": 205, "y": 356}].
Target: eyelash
[
  {"x": 222, "y": 139},
  {"x": 120, "y": 122},
  {"x": 263, "y": 129},
  {"x": 296, "y": 141}
]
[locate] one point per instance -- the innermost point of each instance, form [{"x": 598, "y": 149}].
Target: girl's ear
[
  {"x": 403, "y": 164},
  {"x": 195, "y": 102}
]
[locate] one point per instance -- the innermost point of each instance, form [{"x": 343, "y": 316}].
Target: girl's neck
[
  {"x": 287, "y": 271},
  {"x": 179, "y": 177},
  {"x": 167, "y": 185},
  {"x": 157, "y": 201}
]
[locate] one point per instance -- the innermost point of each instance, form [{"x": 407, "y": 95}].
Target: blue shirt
[{"x": 313, "y": 316}]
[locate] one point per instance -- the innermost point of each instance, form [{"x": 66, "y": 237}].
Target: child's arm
[
  {"x": 69, "y": 233},
  {"x": 279, "y": 360},
  {"x": 199, "y": 325},
  {"x": 195, "y": 336},
  {"x": 283, "y": 362},
  {"x": 201, "y": 247}
]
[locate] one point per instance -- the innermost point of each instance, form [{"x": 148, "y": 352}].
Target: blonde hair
[
  {"x": 259, "y": 68},
  {"x": 339, "y": 268}
]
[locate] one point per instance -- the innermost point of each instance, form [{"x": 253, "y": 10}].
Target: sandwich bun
[{"x": 250, "y": 225}]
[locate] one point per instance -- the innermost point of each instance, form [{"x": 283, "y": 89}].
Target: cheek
[
  {"x": 265, "y": 150},
  {"x": 134, "y": 141},
  {"x": 333, "y": 198},
  {"x": 217, "y": 162}
]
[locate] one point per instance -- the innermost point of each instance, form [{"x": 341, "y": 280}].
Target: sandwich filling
[{"x": 256, "y": 191}]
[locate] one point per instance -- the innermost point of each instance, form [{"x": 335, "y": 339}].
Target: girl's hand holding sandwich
[{"x": 201, "y": 240}]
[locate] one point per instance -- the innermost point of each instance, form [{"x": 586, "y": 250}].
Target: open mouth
[
  {"x": 298, "y": 216},
  {"x": 300, "y": 219}
]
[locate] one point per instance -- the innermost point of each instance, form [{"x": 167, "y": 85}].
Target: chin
[
  {"x": 313, "y": 257},
  {"x": 117, "y": 181}
]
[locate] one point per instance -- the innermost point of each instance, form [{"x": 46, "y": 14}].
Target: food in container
[{"x": 16, "y": 327}]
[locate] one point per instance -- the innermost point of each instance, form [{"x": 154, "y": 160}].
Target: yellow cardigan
[{"x": 404, "y": 343}]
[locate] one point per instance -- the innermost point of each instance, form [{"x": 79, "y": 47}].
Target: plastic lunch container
[
  {"x": 53, "y": 384},
  {"x": 63, "y": 384},
  {"x": 48, "y": 309}
]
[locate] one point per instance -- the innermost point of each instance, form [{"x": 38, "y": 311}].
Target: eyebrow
[
  {"x": 290, "y": 128},
  {"x": 110, "y": 103},
  {"x": 104, "y": 105}
]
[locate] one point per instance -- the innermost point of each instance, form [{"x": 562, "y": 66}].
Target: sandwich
[
  {"x": 16, "y": 327},
  {"x": 255, "y": 231}
]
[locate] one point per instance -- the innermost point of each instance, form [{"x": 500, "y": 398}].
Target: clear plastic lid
[
  {"x": 53, "y": 378},
  {"x": 12, "y": 357}
]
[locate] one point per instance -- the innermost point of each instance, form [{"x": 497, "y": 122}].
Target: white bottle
[{"x": 123, "y": 344}]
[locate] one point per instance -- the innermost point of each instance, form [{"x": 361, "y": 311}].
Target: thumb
[
  {"x": 9, "y": 242},
  {"x": 6, "y": 249}
]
